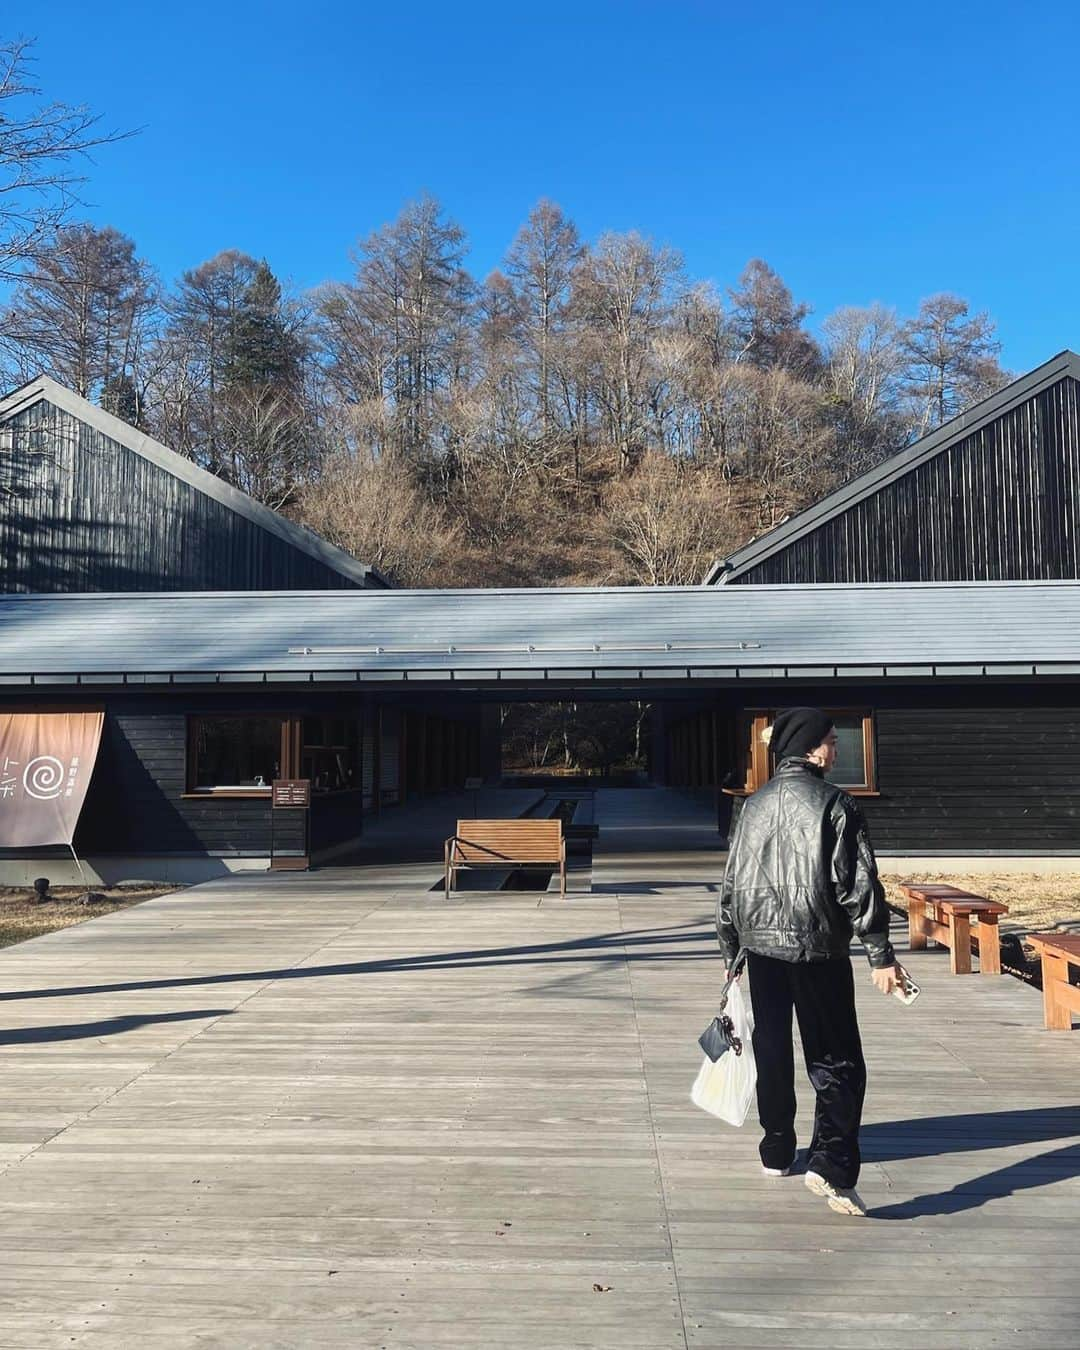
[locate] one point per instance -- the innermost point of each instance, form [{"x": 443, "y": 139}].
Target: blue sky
[{"x": 866, "y": 152}]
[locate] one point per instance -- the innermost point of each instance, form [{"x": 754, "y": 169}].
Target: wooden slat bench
[
  {"x": 1061, "y": 998},
  {"x": 506, "y": 844},
  {"x": 945, "y": 914}
]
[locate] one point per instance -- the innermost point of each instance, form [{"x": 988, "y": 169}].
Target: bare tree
[
  {"x": 862, "y": 380},
  {"x": 781, "y": 441},
  {"x": 81, "y": 312},
  {"x": 767, "y": 324},
  {"x": 667, "y": 521},
  {"x": 540, "y": 264},
  {"x": 400, "y": 331},
  {"x": 623, "y": 291},
  {"x": 42, "y": 148},
  {"x": 203, "y": 315},
  {"x": 372, "y": 509},
  {"x": 267, "y": 442},
  {"x": 951, "y": 357}
]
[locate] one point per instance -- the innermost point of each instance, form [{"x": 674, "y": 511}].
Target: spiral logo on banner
[{"x": 44, "y": 777}]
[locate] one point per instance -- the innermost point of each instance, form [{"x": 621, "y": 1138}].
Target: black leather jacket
[{"x": 801, "y": 879}]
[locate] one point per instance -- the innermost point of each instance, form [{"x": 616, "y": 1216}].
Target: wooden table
[
  {"x": 1061, "y": 999},
  {"x": 944, "y": 914}
]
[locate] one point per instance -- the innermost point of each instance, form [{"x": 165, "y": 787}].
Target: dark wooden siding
[
  {"x": 990, "y": 779},
  {"x": 960, "y": 768},
  {"x": 80, "y": 512},
  {"x": 136, "y": 802},
  {"x": 1000, "y": 504}
]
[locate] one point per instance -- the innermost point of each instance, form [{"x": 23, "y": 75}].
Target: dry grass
[
  {"x": 1036, "y": 903},
  {"x": 22, "y": 917}
]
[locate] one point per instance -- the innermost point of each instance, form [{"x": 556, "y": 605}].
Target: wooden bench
[
  {"x": 945, "y": 914},
  {"x": 1061, "y": 999},
  {"x": 506, "y": 844}
]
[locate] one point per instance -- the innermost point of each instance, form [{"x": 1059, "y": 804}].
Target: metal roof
[
  {"x": 486, "y": 636},
  {"x": 1066, "y": 363},
  {"x": 45, "y": 389}
]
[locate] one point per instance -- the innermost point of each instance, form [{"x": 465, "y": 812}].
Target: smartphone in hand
[{"x": 907, "y": 991}]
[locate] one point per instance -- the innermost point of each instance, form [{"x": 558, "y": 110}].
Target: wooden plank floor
[{"x": 335, "y": 1111}]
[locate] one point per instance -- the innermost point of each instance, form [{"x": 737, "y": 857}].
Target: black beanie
[{"x": 797, "y": 731}]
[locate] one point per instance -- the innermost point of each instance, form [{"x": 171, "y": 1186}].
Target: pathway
[{"x": 334, "y": 1111}]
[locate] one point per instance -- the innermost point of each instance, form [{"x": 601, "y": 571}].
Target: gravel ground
[
  {"x": 22, "y": 916},
  {"x": 1037, "y": 904}
]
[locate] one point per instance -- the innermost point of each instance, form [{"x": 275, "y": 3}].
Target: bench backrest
[{"x": 492, "y": 841}]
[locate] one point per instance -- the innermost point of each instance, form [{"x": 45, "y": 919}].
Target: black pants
[{"x": 822, "y": 994}]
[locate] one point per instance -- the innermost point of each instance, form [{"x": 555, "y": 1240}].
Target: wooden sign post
[{"x": 290, "y": 794}]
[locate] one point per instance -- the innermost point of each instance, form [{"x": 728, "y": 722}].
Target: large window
[
  {"x": 241, "y": 755},
  {"x": 854, "y": 769}
]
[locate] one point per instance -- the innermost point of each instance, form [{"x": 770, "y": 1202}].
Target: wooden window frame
[
  {"x": 753, "y": 721},
  {"x": 291, "y": 732}
]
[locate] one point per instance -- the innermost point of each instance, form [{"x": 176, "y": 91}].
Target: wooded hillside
[{"x": 586, "y": 413}]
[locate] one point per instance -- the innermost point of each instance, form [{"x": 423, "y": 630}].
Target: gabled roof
[
  {"x": 47, "y": 390},
  {"x": 1066, "y": 363},
  {"x": 581, "y": 636}
]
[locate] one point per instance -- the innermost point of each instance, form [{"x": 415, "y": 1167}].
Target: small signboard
[
  {"x": 291, "y": 793},
  {"x": 472, "y": 784}
]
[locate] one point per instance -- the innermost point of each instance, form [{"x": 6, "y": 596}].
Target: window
[
  {"x": 236, "y": 754},
  {"x": 331, "y": 754},
  {"x": 854, "y": 769}
]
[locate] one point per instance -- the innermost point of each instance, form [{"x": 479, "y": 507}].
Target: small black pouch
[{"x": 719, "y": 1036}]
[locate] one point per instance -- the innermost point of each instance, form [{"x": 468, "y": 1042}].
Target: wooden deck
[{"x": 336, "y": 1111}]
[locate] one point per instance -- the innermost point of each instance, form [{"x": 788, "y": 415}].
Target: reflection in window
[
  {"x": 331, "y": 754},
  {"x": 850, "y": 769},
  {"x": 236, "y": 752},
  {"x": 854, "y": 767}
]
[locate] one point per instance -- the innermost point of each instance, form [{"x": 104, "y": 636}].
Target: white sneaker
[
  {"x": 842, "y": 1199},
  {"x": 776, "y": 1171}
]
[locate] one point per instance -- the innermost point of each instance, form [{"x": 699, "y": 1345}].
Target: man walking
[{"x": 801, "y": 881}]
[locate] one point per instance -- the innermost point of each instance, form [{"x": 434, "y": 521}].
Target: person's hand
[{"x": 886, "y": 978}]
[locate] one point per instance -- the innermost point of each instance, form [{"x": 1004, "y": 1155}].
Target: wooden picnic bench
[
  {"x": 945, "y": 914},
  {"x": 1061, "y": 998},
  {"x": 506, "y": 844}
]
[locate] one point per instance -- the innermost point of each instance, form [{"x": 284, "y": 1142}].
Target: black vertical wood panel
[
  {"x": 1000, "y": 504},
  {"x": 85, "y": 513},
  {"x": 960, "y": 767},
  {"x": 968, "y": 778}
]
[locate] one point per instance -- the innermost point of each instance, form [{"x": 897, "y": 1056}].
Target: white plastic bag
[{"x": 727, "y": 1088}]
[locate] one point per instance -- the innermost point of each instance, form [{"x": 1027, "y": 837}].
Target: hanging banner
[{"x": 46, "y": 760}]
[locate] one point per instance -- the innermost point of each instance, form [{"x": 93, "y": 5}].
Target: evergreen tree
[{"x": 260, "y": 349}]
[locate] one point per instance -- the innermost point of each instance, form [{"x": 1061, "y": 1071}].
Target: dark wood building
[
  {"x": 979, "y": 766},
  {"x": 993, "y": 495},
  {"x": 956, "y": 695},
  {"x": 90, "y": 504},
  {"x": 956, "y": 704}
]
